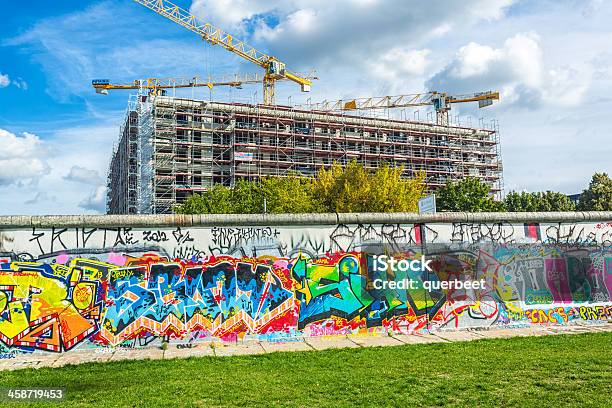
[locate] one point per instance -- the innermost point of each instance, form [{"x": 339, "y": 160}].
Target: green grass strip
[{"x": 564, "y": 370}]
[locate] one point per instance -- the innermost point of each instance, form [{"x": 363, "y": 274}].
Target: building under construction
[{"x": 171, "y": 148}]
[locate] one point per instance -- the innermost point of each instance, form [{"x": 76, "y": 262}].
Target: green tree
[
  {"x": 543, "y": 202},
  {"x": 351, "y": 190},
  {"x": 469, "y": 194},
  {"x": 324, "y": 185},
  {"x": 291, "y": 194},
  {"x": 554, "y": 201},
  {"x": 521, "y": 202},
  {"x": 248, "y": 197},
  {"x": 337, "y": 189},
  {"x": 217, "y": 200},
  {"x": 598, "y": 197},
  {"x": 355, "y": 189},
  {"x": 391, "y": 193}
]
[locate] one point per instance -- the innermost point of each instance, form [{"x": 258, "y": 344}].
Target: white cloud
[
  {"x": 491, "y": 10},
  {"x": 20, "y": 83},
  {"x": 591, "y": 7},
  {"x": 82, "y": 155},
  {"x": 76, "y": 48},
  {"x": 4, "y": 80},
  {"x": 231, "y": 13},
  {"x": 327, "y": 33},
  {"x": 95, "y": 201},
  {"x": 303, "y": 21},
  {"x": 567, "y": 85},
  {"x": 39, "y": 198},
  {"x": 83, "y": 175},
  {"x": 399, "y": 62},
  {"x": 517, "y": 69},
  {"x": 22, "y": 158},
  {"x": 86, "y": 149},
  {"x": 554, "y": 149},
  {"x": 442, "y": 30}
]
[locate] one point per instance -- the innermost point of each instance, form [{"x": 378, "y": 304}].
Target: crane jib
[{"x": 217, "y": 36}]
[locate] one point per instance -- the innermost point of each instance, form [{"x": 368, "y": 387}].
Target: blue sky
[{"x": 550, "y": 59}]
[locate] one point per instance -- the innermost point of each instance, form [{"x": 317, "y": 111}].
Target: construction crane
[
  {"x": 157, "y": 86},
  {"x": 441, "y": 102},
  {"x": 274, "y": 69}
]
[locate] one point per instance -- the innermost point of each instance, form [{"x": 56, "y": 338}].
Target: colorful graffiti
[{"x": 63, "y": 289}]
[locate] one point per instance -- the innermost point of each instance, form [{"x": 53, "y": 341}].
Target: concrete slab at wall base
[
  {"x": 418, "y": 338},
  {"x": 83, "y": 288},
  {"x": 310, "y": 345},
  {"x": 375, "y": 341},
  {"x": 239, "y": 349},
  {"x": 272, "y": 347},
  {"x": 323, "y": 343},
  {"x": 457, "y": 335},
  {"x": 200, "y": 350}
]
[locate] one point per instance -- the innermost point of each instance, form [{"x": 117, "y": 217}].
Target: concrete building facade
[{"x": 171, "y": 148}]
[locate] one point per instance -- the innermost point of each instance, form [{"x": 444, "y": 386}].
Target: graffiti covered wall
[{"x": 67, "y": 288}]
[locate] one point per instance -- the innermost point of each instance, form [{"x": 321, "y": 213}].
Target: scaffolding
[
  {"x": 186, "y": 146},
  {"x": 122, "y": 193},
  {"x": 145, "y": 153}
]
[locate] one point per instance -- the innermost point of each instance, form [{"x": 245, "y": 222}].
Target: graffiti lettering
[{"x": 109, "y": 288}]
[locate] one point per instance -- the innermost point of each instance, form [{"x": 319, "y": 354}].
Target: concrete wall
[{"x": 128, "y": 281}]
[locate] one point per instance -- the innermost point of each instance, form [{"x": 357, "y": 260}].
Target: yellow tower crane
[
  {"x": 274, "y": 69},
  {"x": 156, "y": 86},
  {"x": 441, "y": 102}
]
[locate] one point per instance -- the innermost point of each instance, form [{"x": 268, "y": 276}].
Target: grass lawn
[{"x": 565, "y": 370}]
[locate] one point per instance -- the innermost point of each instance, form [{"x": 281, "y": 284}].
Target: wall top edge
[{"x": 144, "y": 221}]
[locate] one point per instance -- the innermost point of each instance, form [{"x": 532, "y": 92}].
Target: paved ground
[{"x": 308, "y": 344}]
